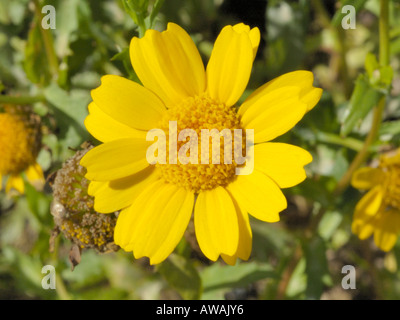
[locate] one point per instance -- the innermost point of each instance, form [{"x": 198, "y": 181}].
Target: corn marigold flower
[
  {"x": 378, "y": 211},
  {"x": 157, "y": 200},
  {"x": 20, "y": 141}
]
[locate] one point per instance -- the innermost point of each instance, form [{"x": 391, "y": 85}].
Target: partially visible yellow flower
[
  {"x": 157, "y": 200},
  {"x": 378, "y": 211},
  {"x": 19, "y": 147}
]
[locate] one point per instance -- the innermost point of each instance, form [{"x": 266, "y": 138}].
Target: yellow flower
[
  {"x": 157, "y": 201},
  {"x": 378, "y": 211},
  {"x": 19, "y": 145}
]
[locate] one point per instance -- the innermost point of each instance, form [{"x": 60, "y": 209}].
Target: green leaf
[
  {"x": 371, "y": 64},
  {"x": 182, "y": 276},
  {"x": 38, "y": 203},
  {"x": 316, "y": 267},
  {"x": 357, "y": 4},
  {"x": 27, "y": 267},
  {"x": 67, "y": 25},
  {"x": 379, "y": 77},
  {"x": 390, "y": 127},
  {"x": 364, "y": 98},
  {"x": 298, "y": 281},
  {"x": 36, "y": 65},
  {"x": 386, "y": 76},
  {"x": 70, "y": 110},
  {"x": 329, "y": 224},
  {"x": 219, "y": 278}
]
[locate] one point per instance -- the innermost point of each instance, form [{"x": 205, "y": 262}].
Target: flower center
[
  {"x": 17, "y": 144},
  {"x": 391, "y": 166},
  {"x": 207, "y": 130}
]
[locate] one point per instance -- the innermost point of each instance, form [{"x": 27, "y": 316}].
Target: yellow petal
[
  {"x": 111, "y": 196},
  {"x": 367, "y": 178},
  {"x": 301, "y": 79},
  {"x": 258, "y": 195},
  {"x": 216, "y": 223},
  {"x": 273, "y": 113},
  {"x": 15, "y": 182},
  {"x": 105, "y": 128},
  {"x": 367, "y": 208},
  {"x": 169, "y": 64},
  {"x": 371, "y": 202},
  {"x": 311, "y": 97},
  {"x": 1, "y": 182},
  {"x": 116, "y": 159},
  {"x": 387, "y": 229},
  {"x": 155, "y": 222},
  {"x": 128, "y": 102},
  {"x": 254, "y": 35},
  {"x": 245, "y": 237},
  {"x": 229, "y": 68},
  {"x": 363, "y": 226},
  {"x": 282, "y": 162},
  {"x": 34, "y": 174}
]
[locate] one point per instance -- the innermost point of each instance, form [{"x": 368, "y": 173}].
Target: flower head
[
  {"x": 378, "y": 211},
  {"x": 157, "y": 199},
  {"x": 72, "y": 209},
  {"x": 19, "y": 144}
]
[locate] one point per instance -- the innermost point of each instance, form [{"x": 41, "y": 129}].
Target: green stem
[
  {"x": 21, "y": 100},
  {"x": 384, "y": 55},
  {"x": 349, "y": 143},
  {"x": 384, "y": 42},
  {"x": 47, "y": 38},
  {"x": 136, "y": 16},
  {"x": 61, "y": 290}
]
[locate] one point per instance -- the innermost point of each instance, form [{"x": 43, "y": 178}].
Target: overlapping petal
[
  {"x": 111, "y": 196},
  {"x": 302, "y": 79},
  {"x": 387, "y": 229},
  {"x": 155, "y": 222},
  {"x": 243, "y": 250},
  {"x": 367, "y": 178},
  {"x": 283, "y": 163},
  {"x": 169, "y": 64},
  {"x": 230, "y": 64},
  {"x": 258, "y": 195},
  {"x": 34, "y": 173},
  {"x": 273, "y": 113},
  {"x": 116, "y": 159},
  {"x": 254, "y": 35},
  {"x": 128, "y": 102},
  {"x": 365, "y": 213},
  {"x": 105, "y": 128},
  {"x": 15, "y": 182},
  {"x": 216, "y": 223}
]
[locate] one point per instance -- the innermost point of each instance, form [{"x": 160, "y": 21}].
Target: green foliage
[
  {"x": 364, "y": 98},
  {"x": 182, "y": 276}
]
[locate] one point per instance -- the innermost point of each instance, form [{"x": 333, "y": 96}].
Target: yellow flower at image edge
[
  {"x": 19, "y": 147},
  {"x": 378, "y": 211},
  {"x": 157, "y": 201}
]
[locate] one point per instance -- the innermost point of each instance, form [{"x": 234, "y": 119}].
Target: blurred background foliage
[{"x": 300, "y": 257}]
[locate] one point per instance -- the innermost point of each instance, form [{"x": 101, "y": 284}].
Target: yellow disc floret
[
  {"x": 199, "y": 113},
  {"x": 17, "y": 144}
]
